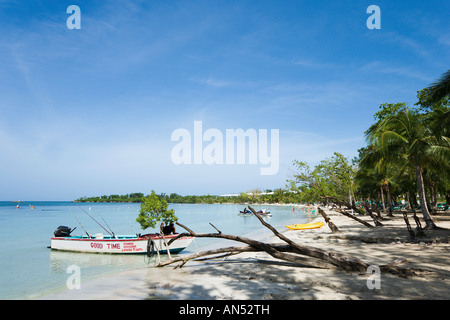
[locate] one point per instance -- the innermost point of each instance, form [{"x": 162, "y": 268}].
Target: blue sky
[{"x": 91, "y": 111}]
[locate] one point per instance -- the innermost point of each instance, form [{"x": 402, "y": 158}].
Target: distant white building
[{"x": 247, "y": 193}]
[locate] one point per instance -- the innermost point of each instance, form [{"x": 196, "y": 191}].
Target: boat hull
[
  {"x": 245, "y": 214},
  {"x": 119, "y": 245}
]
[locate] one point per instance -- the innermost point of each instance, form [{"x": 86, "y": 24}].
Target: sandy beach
[{"x": 258, "y": 276}]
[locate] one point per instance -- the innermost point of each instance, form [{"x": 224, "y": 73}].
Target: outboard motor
[{"x": 63, "y": 231}]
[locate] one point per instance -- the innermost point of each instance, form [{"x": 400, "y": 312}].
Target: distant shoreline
[
  {"x": 234, "y": 203},
  {"x": 268, "y": 197}
]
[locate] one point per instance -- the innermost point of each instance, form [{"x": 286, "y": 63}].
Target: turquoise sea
[{"x": 29, "y": 269}]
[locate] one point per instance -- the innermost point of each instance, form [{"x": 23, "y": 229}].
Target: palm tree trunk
[
  {"x": 413, "y": 195},
  {"x": 382, "y": 199},
  {"x": 408, "y": 200},
  {"x": 430, "y": 207},
  {"x": 354, "y": 198},
  {"x": 433, "y": 195},
  {"x": 423, "y": 203},
  {"x": 389, "y": 201}
]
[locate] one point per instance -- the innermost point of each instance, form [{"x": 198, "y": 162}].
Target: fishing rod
[
  {"x": 95, "y": 220},
  {"x": 81, "y": 225},
  {"x": 108, "y": 226},
  {"x": 110, "y": 229}
]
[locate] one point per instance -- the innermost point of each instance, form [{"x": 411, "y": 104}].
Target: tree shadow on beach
[
  {"x": 243, "y": 279},
  {"x": 239, "y": 279},
  {"x": 260, "y": 277}
]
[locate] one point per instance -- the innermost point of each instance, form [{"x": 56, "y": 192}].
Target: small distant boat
[
  {"x": 249, "y": 213},
  {"x": 305, "y": 226},
  {"x": 264, "y": 213},
  {"x": 123, "y": 244}
]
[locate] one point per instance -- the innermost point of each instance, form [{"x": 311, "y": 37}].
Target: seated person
[{"x": 168, "y": 229}]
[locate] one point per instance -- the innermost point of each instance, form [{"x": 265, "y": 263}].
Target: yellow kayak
[{"x": 305, "y": 226}]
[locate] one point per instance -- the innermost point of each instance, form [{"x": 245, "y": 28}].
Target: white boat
[
  {"x": 124, "y": 244},
  {"x": 249, "y": 214}
]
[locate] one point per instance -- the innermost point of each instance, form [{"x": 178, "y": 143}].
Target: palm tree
[
  {"x": 406, "y": 132},
  {"x": 438, "y": 165},
  {"x": 440, "y": 89},
  {"x": 381, "y": 159},
  {"x": 370, "y": 182}
]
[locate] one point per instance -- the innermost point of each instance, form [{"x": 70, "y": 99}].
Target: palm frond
[
  {"x": 440, "y": 88},
  {"x": 389, "y": 137}
]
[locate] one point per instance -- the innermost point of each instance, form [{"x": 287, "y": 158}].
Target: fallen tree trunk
[
  {"x": 345, "y": 262},
  {"x": 370, "y": 213},
  {"x": 324, "y": 259},
  {"x": 350, "y": 206},
  {"x": 293, "y": 252},
  {"x": 419, "y": 228},
  {"x": 330, "y": 224},
  {"x": 378, "y": 212},
  {"x": 259, "y": 246},
  {"x": 408, "y": 226},
  {"x": 368, "y": 225},
  {"x": 229, "y": 251},
  {"x": 360, "y": 238}
]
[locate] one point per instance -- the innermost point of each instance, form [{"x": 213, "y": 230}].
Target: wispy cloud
[
  {"x": 407, "y": 43},
  {"x": 213, "y": 82},
  {"x": 313, "y": 64},
  {"x": 312, "y": 147},
  {"x": 316, "y": 95},
  {"x": 444, "y": 39},
  {"x": 234, "y": 83},
  {"x": 381, "y": 67},
  {"x": 16, "y": 52}
]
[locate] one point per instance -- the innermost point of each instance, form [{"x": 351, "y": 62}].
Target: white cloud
[
  {"x": 312, "y": 147},
  {"x": 408, "y": 43},
  {"x": 309, "y": 63},
  {"x": 213, "y": 82},
  {"x": 381, "y": 67},
  {"x": 444, "y": 39}
]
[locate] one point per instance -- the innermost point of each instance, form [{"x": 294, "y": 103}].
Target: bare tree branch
[{"x": 292, "y": 252}]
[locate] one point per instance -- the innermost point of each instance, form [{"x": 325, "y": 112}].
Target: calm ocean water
[{"x": 30, "y": 270}]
